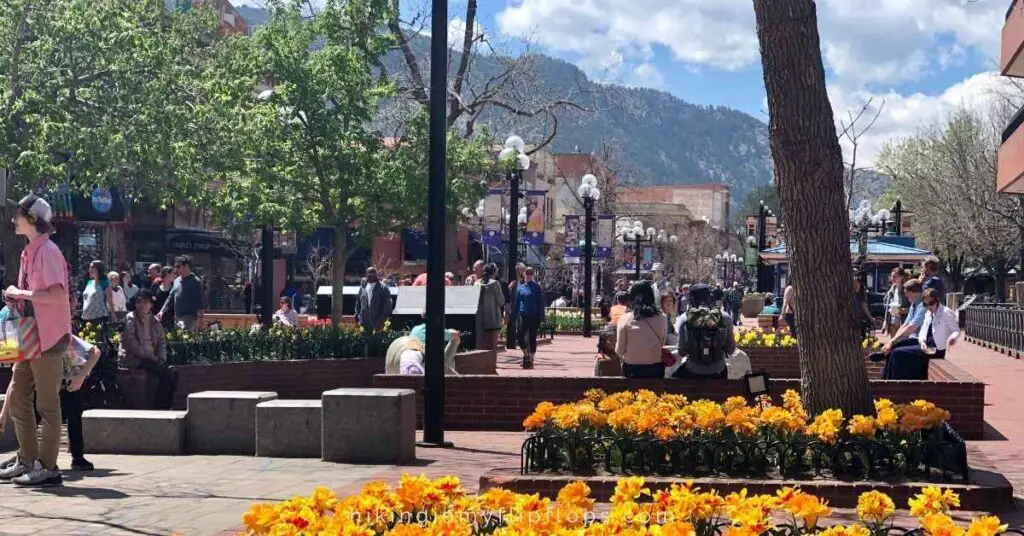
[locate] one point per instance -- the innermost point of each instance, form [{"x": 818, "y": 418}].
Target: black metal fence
[
  {"x": 999, "y": 324},
  {"x": 938, "y": 454}
]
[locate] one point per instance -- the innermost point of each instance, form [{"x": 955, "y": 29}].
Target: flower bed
[
  {"x": 781, "y": 338},
  {"x": 643, "y": 433},
  {"x": 419, "y": 506},
  {"x": 569, "y": 320},
  {"x": 277, "y": 344}
]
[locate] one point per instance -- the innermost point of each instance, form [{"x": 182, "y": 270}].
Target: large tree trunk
[
  {"x": 809, "y": 176},
  {"x": 340, "y": 253}
]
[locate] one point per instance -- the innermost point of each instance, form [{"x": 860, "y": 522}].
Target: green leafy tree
[{"x": 98, "y": 92}]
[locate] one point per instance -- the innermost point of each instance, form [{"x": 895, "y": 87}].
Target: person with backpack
[{"x": 705, "y": 337}]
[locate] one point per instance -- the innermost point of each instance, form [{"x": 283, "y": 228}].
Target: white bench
[
  {"x": 288, "y": 428},
  {"x": 132, "y": 431},
  {"x": 223, "y": 422},
  {"x": 376, "y": 426}
]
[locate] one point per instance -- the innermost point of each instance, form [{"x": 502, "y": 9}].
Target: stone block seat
[
  {"x": 223, "y": 422},
  {"x": 288, "y": 428},
  {"x": 132, "y": 431},
  {"x": 8, "y": 441},
  {"x": 375, "y": 426}
]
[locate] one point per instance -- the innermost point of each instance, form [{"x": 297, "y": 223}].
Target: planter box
[
  {"x": 751, "y": 308},
  {"x": 502, "y": 402},
  {"x": 785, "y": 362},
  {"x": 768, "y": 321}
]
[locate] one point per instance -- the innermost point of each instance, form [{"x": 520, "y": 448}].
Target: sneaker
[
  {"x": 81, "y": 464},
  {"x": 16, "y": 469},
  {"x": 40, "y": 476},
  {"x": 8, "y": 462}
]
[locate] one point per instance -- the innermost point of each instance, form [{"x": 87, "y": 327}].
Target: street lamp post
[
  {"x": 728, "y": 262},
  {"x": 589, "y": 193},
  {"x": 515, "y": 148},
  {"x": 763, "y": 213}
]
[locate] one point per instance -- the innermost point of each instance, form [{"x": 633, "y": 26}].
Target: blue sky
[{"x": 917, "y": 59}]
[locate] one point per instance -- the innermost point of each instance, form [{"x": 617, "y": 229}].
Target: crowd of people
[{"x": 51, "y": 384}]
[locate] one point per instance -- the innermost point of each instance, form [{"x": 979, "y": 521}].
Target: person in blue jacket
[{"x": 528, "y": 309}]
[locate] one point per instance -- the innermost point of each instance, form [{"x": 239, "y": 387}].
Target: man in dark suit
[{"x": 373, "y": 305}]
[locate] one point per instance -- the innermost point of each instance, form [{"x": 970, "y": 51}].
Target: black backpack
[{"x": 705, "y": 336}]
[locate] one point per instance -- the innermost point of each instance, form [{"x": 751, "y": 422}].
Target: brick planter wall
[
  {"x": 502, "y": 402},
  {"x": 785, "y": 362}
]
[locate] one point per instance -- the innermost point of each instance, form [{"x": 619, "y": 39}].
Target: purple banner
[
  {"x": 647, "y": 258},
  {"x": 605, "y": 232},
  {"x": 628, "y": 258},
  {"x": 534, "y": 217},
  {"x": 493, "y": 225},
  {"x": 572, "y": 236}
]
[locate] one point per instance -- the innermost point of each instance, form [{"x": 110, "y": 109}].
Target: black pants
[
  {"x": 528, "y": 326},
  {"x": 652, "y": 371},
  {"x": 72, "y": 404},
  {"x": 908, "y": 362},
  {"x": 790, "y": 319},
  {"x": 168, "y": 382}
]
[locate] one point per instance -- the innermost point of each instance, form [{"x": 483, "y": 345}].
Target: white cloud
[
  {"x": 457, "y": 32},
  {"x": 903, "y": 115},
  {"x": 863, "y": 41},
  {"x": 647, "y": 75}
]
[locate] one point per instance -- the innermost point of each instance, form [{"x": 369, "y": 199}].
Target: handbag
[
  {"x": 667, "y": 358},
  {"x": 19, "y": 336}
]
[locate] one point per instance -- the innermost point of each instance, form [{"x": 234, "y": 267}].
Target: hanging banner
[
  {"x": 534, "y": 217},
  {"x": 573, "y": 236},
  {"x": 605, "y": 235},
  {"x": 647, "y": 258},
  {"x": 628, "y": 258},
  {"x": 492, "y": 227}
]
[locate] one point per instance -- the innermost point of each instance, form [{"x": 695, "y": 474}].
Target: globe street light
[
  {"x": 516, "y": 161},
  {"x": 589, "y": 193},
  {"x": 636, "y": 235},
  {"x": 763, "y": 213}
]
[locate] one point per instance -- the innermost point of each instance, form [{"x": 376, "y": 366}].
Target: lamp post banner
[
  {"x": 605, "y": 235},
  {"x": 628, "y": 258},
  {"x": 492, "y": 231},
  {"x": 535, "y": 217},
  {"x": 647, "y": 253},
  {"x": 572, "y": 236}
]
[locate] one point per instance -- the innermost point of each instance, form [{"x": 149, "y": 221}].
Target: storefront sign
[{"x": 102, "y": 200}]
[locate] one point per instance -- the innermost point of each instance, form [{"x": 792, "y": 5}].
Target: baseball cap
[{"x": 37, "y": 207}]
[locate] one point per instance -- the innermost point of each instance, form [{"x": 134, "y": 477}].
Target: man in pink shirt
[{"x": 42, "y": 292}]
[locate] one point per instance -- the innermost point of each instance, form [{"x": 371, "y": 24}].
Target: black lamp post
[
  {"x": 433, "y": 396},
  {"x": 729, "y": 261},
  {"x": 589, "y": 193},
  {"x": 514, "y": 156},
  {"x": 763, "y": 213}
]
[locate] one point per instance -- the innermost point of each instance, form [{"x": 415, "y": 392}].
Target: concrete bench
[
  {"x": 8, "y": 441},
  {"x": 132, "y": 431},
  {"x": 223, "y": 422},
  {"x": 288, "y": 428},
  {"x": 369, "y": 426}
]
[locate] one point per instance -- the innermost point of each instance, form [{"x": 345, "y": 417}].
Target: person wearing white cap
[{"x": 41, "y": 292}]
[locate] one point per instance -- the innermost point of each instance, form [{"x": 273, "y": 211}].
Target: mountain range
[{"x": 655, "y": 137}]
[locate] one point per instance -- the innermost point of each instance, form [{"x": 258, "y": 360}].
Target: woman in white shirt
[
  {"x": 118, "y": 300},
  {"x": 939, "y": 331},
  {"x": 286, "y": 315}
]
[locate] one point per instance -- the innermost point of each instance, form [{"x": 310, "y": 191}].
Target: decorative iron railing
[
  {"x": 999, "y": 324},
  {"x": 940, "y": 453}
]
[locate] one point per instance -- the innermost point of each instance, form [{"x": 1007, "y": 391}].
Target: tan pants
[{"x": 41, "y": 376}]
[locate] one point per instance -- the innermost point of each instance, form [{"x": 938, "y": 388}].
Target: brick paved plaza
[{"x": 200, "y": 495}]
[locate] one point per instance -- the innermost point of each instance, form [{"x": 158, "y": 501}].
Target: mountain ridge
[{"x": 658, "y": 138}]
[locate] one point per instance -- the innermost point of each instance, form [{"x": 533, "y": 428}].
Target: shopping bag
[{"x": 19, "y": 340}]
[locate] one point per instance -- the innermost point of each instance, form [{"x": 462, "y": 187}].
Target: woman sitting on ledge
[{"x": 406, "y": 356}]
